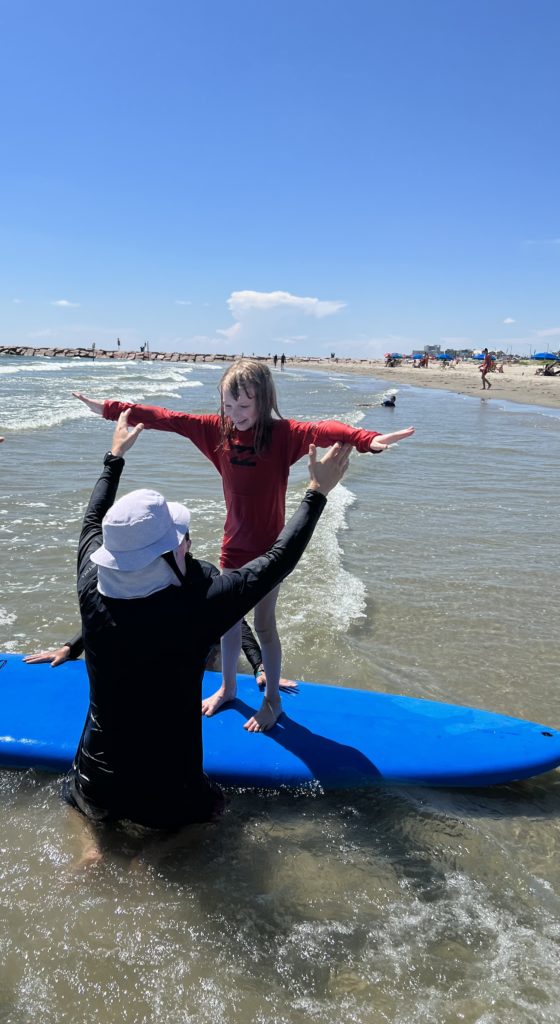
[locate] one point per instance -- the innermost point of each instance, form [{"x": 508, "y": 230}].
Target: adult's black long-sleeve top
[{"x": 140, "y": 755}]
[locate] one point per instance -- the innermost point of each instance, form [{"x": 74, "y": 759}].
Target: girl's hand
[
  {"x": 382, "y": 441},
  {"x": 92, "y": 403},
  {"x": 55, "y": 658},
  {"x": 123, "y": 437}
]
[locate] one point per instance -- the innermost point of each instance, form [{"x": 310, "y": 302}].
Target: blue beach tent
[{"x": 544, "y": 355}]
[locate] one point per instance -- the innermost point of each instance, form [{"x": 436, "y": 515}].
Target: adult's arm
[
  {"x": 68, "y": 652},
  {"x": 104, "y": 492},
  {"x": 235, "y": 592},
  {"x": 75, "y": 646},
  {"x": 250, "y": 647},
  {"x": 102, "y": 497}
]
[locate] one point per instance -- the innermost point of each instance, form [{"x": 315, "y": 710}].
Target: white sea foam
[
  {"x": 7, "y": 618},
  {"x": 50, "y": 410},
  {"x": 322, "y": 591}
]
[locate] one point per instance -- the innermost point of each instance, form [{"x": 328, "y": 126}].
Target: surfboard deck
[{"x": 335, "y": 736}]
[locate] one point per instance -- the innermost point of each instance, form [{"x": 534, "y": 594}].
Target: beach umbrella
[
  {"x": 544, "y": 355},
  {"x": 443, "y": 355},
  {"x": 480, "y": 355}
]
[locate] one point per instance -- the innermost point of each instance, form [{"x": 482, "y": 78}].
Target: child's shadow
[{"x": 329, "y": 762}]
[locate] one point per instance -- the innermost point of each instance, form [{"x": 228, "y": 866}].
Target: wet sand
[{"x": 518, "y": 383}]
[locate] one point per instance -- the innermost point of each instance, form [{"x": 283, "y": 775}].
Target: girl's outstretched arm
[
  {"x": 92, "y": 403},
  {"x": 383, "y": 441}
]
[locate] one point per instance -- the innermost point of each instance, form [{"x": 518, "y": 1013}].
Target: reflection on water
[
  {"x": 370, "y": 906},
  {"x": 367, "y": 906}
]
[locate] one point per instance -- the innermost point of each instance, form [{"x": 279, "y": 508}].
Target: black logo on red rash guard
[{"x": 243, "y": 455}]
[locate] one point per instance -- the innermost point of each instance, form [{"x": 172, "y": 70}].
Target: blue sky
[{"x": 259, "y": 176}]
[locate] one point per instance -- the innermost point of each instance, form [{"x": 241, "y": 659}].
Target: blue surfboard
[{"x": 327, "y": 734}]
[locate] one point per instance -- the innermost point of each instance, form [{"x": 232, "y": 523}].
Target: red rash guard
[{"x": 254, "y": 485}]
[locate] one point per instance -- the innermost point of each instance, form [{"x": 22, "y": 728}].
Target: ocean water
[{"x": 433, "y": 573}]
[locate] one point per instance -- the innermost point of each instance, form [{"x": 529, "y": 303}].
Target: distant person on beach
[
  {"x": 485, "y": 369},
  {"x": 150, "y": 614},
  {"x": 275, "y": 361},
  {"x": 252, "y": 447},
  {"x": 282, "y": 361}
]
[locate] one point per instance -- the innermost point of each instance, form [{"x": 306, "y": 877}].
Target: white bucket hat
[{"x": 139, "y": 527}]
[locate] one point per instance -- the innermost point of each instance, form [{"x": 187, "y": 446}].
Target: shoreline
[{"x": 518, "y": 383}]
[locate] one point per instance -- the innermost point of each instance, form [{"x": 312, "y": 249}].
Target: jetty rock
[{"x": 119, "y": 354}]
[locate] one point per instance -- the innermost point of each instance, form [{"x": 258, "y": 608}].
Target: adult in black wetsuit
[
  {"x": 72, "y": 649},
  {"x": 140, "y": 754}
]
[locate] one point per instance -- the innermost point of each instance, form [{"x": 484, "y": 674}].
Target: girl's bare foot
[
  {"x": 267, "y": 716},
  {"x": 221, "y": 696}
]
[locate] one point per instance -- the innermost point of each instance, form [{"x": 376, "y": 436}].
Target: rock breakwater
[{"x": 119, "y": 354}]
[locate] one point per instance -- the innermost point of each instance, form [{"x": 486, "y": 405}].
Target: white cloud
[
  {"x": 231, "y": 332},
  {"x": 244, "y": 302},
  {"x": 261, "y": 318},
  {"x": 17, "y": 302},
  {"x": 65, "y": 304},
  {"x": 548, "y": 332},
  {"x": 509, "y": 320},
  {"x": 183, "y": 302}
]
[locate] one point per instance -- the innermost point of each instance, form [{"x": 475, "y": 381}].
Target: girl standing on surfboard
[{"x": 252, "y": 448}]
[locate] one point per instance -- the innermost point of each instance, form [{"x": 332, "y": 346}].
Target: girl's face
[{"x": 242, "y": 411}]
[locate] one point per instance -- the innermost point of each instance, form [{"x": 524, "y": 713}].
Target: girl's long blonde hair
[{"x": 255, "y": 379}]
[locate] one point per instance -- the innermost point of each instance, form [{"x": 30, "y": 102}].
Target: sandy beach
[{"x": 518, "y": 383}]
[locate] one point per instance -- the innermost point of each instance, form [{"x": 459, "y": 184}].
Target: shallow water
[{"x": 433, "y": 573}]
